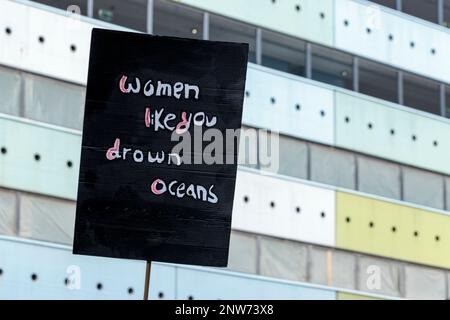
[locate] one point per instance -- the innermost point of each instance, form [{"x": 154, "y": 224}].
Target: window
[
  {"x": 283, "y": 53},
  {"x": 387, "y": 3},
  {"x": 377, "y": 80},
  {"x": 421, "y": 93},
  {"x": 66, "y": 4},
  {"x": 446, "y": 22},
  {"x": 128, "y": 13},
  {"x": 424, "y": 9},
  {"x": 447, "y": 106},
  {"x": 333, "y": 67},
  {"x": 222, "y": 29},
  {"x": 170, "y": 19}
]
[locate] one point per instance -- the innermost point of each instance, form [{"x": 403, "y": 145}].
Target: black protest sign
[{"x": 148, "y": 188}]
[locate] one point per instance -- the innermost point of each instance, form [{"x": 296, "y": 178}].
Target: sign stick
[{"x": 147, "y": 279}]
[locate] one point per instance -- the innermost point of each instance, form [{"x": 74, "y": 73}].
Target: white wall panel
[
  {"x": 39, "y": 158},
  {"x": 54, "y": 56},
  {"x": 283, "y": 208},
  {"x": 13, "y": 48},
  {"x": 46, "y": 42},
  {"x": 52, "y": 264},
  {"x": 288, "y": 104},
  {"x": 354, "y": 36}
]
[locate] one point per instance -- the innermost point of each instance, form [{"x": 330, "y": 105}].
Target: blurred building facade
[{"x": 358, "y": 207}]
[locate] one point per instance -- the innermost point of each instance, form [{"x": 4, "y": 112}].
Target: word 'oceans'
[{"x": 181, "y": 189}]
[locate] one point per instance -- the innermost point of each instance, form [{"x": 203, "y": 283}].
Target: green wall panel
[
  {"x": 392, "y": 230},
  {"x": 385, "y": 130},
  {"x": 39, "y": 158}
]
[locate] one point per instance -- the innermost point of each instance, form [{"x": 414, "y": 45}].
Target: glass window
[
  {"x": 446, "y": 22},
  {"x": 283, "y": 53},
  {"x": 387, "y": 3},
  {"x": 424, "y": 9},
  {"x": 378, "y": 80},
  {"x": 333, "y": 67},
  {"x": 128, "y": 13},
  {"x": 421, "y": 93},
  {"x": 222, "y": 29},
  {"x": 66, "y": 4},
  {"x": 447, "y": 105},
  {"x": 171, "y": 19}
]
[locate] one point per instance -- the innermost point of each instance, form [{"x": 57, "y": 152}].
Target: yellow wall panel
[
  {"x": 351, "y": 296},
  {"x": 392, "y": 230}
]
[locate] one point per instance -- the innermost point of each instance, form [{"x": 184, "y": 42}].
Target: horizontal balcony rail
[{"x": 38, "y": 270}]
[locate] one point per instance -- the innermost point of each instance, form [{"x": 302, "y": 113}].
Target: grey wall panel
[
  {"x": 10, "y": 85},
  {"x": 292, "y": 156},
  {"x": 47, "y": 219},
  {"x": 320, "y": 265},
  {"x": 332, "y": 166},
  {"x": 379, "y": 177},
  {"x": 448, "y": 285},
  {"x": 283, "y": 259},
  {"x": 344, "y": 269},
  {"x": 447, "y": 193},
  {"x": 378, "y": 276},
  {"x": 424, "y": 283},
  {"x": 54, "y": 101},
  {"x": 8, "y": 217},
  {"x": 423, "y": 188},
  {"x": 242, "y": 255},
  {"x": 331, "y": 267},
  {"x": 248, "y": 147}
]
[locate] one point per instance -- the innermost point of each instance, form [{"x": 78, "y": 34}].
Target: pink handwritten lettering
[
  {"x": 122, "y": 84},
  {"x": 147, "y": 117},
  {"x": 183, "y": 125},
  {"x": 113, "y": 152},
  {"x": 154, "y": 187}
]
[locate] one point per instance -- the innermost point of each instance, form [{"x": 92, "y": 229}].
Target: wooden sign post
[
  {"x": 148, "y": 269},
  {"x": 158, "y": 166}
]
